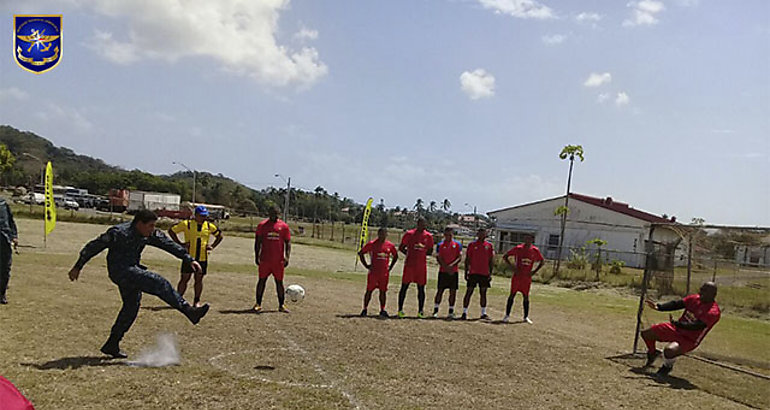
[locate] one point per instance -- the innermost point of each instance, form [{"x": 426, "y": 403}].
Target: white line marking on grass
[{"x": 296, "y": 347}]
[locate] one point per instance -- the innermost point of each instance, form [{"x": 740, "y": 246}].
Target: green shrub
[
  {"x": 577, "y": 259},
  {"x": 616, "y": 266}
]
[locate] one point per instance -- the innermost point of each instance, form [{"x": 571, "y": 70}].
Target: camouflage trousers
[{"x": 132, "y": 282}]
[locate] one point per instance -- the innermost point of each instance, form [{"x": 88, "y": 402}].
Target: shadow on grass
[
  {"x": 427, "y": 319},
  {"x": 157, "y": 308},
  {"x": 673, "y": 382},
  {"x": 75, "y": 362},
  {"x": 248, "y": 311},
  {"x": 264, "y": 367}
]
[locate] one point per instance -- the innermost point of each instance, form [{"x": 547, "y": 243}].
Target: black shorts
[
  {"x": 187, "y": 268},
  {"x": 447, "y": 280},
  {"x": 482, "y": 280}
]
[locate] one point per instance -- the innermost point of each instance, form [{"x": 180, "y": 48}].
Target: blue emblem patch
[{"x": 37, "y": 41}]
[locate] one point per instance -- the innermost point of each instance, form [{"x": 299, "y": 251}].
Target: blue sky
[{"x": 467, "y": 100}]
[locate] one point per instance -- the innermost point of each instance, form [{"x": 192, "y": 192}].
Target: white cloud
[
  {"x": 239, "y": 35},
  {"x": 13, "y": 93},
  {"x": 588, "y": 17},
  {"x": 644, "y": 13},
  {"x": 525, "y": 9},
  {"x": 71, "y": 116},
  {"x": 552, "y": 40},
  {"x": 622, "y": 99},
  {"x": 306, "y": 34},
  {"x": 602, "y": 98},
  {"x": 477, "y": 84},
  {"x": 597, "y": 79}
]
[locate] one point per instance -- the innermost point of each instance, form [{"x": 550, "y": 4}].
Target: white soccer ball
[{"x": 295, "y": 293}]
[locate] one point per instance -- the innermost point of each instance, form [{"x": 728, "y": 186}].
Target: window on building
[{"x": 553, "y": 242}]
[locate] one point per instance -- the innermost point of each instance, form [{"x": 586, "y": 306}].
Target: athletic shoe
[
  {"x": 283, "y": 309},
  {"x": 3, "y": 300},
  {"x": 257, "y": 308},
  {"x": 651, "y": 356},
  {"x": 197, "y": 304},
  {"x": 484, "y": 317},
  {"x": 420, "y": 315},
  {"x": 664, "y": 370},
  {"x": 464, "y": 316},
  {"x": 363, "y": 313},
  {"x": 435, "y": 315},
  {"x": 111, "y": 348},
  {"x": 451, "y": 315},
  {"x": 401, "y": 314},
  {"x": 195, "y": 314},
  {"x": 506, "y": 319},
  {"x": 384, "y": 314},
  {"x": 526, "y": 319}
]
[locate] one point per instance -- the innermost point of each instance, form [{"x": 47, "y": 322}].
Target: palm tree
[
  {"x": 446, "y": 205},
  {"x": 432, "y": 207},
  {"x": 569, "y": 151},
  {"x": 418, "y": 206}
]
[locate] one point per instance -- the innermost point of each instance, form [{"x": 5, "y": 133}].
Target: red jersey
[
  {"x": 417, "y": 247},
  {"x": 479, "y": 254},
  {"x": 694, "y": 309},
  {"x": 525, "y": 258},
  {"x": 448, "y": 252},
  {"x": 380, "y": 253},
  {"x": 273, "y": 235}
]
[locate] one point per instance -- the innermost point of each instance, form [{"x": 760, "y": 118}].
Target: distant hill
[{"x": 99, "y": 177}]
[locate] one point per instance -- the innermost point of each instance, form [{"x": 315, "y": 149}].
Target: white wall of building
[{"x": 624, "y": 234}]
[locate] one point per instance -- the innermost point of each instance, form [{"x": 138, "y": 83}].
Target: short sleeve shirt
[
  {"x": 380, "y": 254},
  {"x": 525, "y": 258},
  {"x": 479, "y": 254},
  {"x": 197, "y": 235},
  {"x": 273, "y": 235}
]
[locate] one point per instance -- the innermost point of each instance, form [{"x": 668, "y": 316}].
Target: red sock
[{"x": 650, "y": 345}]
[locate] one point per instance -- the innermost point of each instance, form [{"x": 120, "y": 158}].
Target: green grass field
[{"x": 323, "y": 356}]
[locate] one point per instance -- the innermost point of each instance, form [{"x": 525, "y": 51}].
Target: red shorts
[
  {"x": 521, "y": 283},
  {"x": 377, "y": 281},
  {"x": 667, "y": 332},
  {"x": 271, "y": 268},
  {"x": 418, "y": 275}
]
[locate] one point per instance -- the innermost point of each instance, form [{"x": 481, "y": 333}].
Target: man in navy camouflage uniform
[
  {"x": 8, "y": 236},
  {"x": 126, "y": 242}
]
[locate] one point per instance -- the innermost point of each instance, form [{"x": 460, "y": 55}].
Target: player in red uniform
[
  {"x": 272, "y": 247},
  {"x": 701, "y": 313},
  {"x": 526, "y": 255},
  {"x": 478, "y": 267},
  {"x": 449, "y": 252},
  {"x": 417, "y": 245},
  {"x": 380, "y": 250}
]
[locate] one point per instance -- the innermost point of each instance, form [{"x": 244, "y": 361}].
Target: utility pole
[
  {"x": 286, "y": 201},
  {"x": 194, "y": 177}
]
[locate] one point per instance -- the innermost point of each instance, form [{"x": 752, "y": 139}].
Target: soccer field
[{"x": 323, "y": 356}]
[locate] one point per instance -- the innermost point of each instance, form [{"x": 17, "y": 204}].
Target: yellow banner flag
[
  {"x": 50, "y": 205},
  {"x": 365, "y": 225}
]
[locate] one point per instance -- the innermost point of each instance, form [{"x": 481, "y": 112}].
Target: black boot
[
  {"x": 195, "y": 314},
  {"x": 3, "y": 300},
  {"x": 112, "y": 348}
]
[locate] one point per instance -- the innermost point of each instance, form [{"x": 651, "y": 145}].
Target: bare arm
[
  {"x": 257, "y": 248},
  {"x": 363, "y": 259},
  {"x": 217, "y": 241},
  {"x": 174, "y": 237},
  {"x": 393, "y": 262},
  {"x": 287, "y": 246},
  {"x": 539, "y": 265}
]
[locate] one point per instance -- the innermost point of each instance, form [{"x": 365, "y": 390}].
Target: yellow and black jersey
[{"x": 197, "y": 236}]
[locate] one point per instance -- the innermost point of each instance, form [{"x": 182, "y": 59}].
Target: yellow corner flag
[
  {"x": 364, "y": 227},
  {"x": 50, "y": 206}
]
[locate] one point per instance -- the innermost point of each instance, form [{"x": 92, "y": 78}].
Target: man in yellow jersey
[{"x": 197, "y": 232}]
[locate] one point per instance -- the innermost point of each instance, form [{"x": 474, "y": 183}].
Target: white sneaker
[
  {"x": 526, "y": 319},
  {"x": 505, "y": 319}
]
